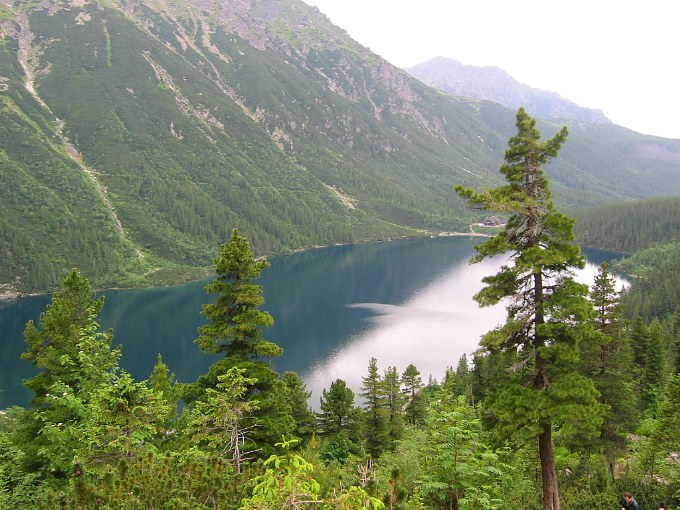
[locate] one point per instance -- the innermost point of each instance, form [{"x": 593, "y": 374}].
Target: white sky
[{"x": 622, "y": 57}]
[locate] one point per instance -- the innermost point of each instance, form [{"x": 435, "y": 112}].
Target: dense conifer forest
[{"x": 570, "y": 403}]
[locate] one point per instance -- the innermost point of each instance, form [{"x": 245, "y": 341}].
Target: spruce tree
[
  {"x": 376, "y": 416},
  {"x": 412, "y": 385},
  {"x": 394, "y": 405},
  {"x": 236, "y": 323},
  {"x": 163, "y": 381},
  {"x": 75, "y": 360},
  {"x": 608, "y": 361},
  {"x": 548, "y": 312},
  {"x": 236, "y": 330},
  {"x": 337, "y": 408},
  {"x": 338, "y": 422},
  {"x": 298, "y": 399},
  {"x": 53, "y": 346}
]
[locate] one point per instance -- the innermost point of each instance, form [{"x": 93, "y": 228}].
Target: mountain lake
[{"x": 402, "y": 302}]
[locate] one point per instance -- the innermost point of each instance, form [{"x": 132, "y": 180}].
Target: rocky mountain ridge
[{"x": 494, "y": 84}]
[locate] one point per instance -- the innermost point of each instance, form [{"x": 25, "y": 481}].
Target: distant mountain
[
  {"x": 494, "y": 84},
  {"x": 135, "y": 134}
]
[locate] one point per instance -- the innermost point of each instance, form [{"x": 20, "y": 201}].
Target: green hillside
[
  {"x": 135, "y": 136},
  {"x": 632, "y": 226}
]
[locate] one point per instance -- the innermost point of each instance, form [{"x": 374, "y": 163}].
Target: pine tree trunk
[{"x": 551, "y": 496}]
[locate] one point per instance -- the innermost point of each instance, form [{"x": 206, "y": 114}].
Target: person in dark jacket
[{"x": 628, "y": 502}]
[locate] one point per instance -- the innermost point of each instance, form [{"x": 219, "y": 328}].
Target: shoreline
[{"x": 9, "y": 293}]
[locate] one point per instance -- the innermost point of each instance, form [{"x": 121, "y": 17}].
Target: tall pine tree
[{"x": 548, "y": 312}]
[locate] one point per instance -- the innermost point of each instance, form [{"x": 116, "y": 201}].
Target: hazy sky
[{"x": 618, "y": 56}]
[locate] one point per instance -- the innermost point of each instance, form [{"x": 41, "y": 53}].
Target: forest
[{"x": 570, "y": 403}]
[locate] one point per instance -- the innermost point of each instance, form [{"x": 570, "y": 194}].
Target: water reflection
[{"x": 431, "y": 330}]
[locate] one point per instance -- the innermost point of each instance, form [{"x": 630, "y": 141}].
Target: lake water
[{"x": 334, "y": 308}]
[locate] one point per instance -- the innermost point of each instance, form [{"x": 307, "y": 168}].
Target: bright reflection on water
[{"x": 432, "y": 329}]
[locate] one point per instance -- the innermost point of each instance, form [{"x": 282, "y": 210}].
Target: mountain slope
[
  {"x": 494, "y": 84},
  {"x": 136, "y": 134}
]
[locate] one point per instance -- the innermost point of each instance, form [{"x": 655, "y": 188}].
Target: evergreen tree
[
  {"x": 548, "y": 312},
  {"x": 221, "y": 422},
  {"x": 75, "y": 359},
  {"x": 608, "y": 362},
  {"x": 123, "y": 420},
  {"x": 53, "y": 347},
  {"x": 606, "y": 303},
  {"x": 298, "y": 398},
  {"x": 236, "y": 330},
  {"x": 394, "y": 405},
  {"x": 414, "y": 409},
  {"x": 163, "y": 381},
  {"x": 464, "y": 379},
  {"x": 236, "y": 323},
  {"x": 376, "y": 416},
  {"x": 337, "y": 409},
  {"x": 666, "y": 433},
  {"x": 460, "y": 470},
  {"x": 656, "y": 370}
]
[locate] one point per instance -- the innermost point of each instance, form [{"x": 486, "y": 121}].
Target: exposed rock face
[{"x": 494, "y": 84}]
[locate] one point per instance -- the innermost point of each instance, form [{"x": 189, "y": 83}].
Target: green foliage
[
  {"x": 460, "y": 470},
  {"x": 656, "y": 289},
  {"x": 548, "y": 314},
  {"x": 54, "y": 347},
  {"x": 337, "y": 409},
  {"x": 376, "y": 415},
  {"x": 630, "y": 227},
  {"x": 164, "y": 382},
  {"x": 236, "y": 322},
  {"x": 608, "y": 362},
  {"x": 219, "y": 423},
  {"x": 414, "y": 409},
  {"x": 298, "y": 398},
  {"x": 123, "y": 419},
  {"x": 286, "y": 483},
  {"x": 77, "y": 363}
]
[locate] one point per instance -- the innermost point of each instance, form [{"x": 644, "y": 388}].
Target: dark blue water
[
  {"x": 307, "y": 293},
  {"x": 334, "y": 308}
]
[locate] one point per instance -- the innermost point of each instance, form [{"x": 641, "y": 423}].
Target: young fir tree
[
  {"x": 464, "y": 380},
  {"x": 53, "y": 346},
  {"x": 236, "y": 330},
  {"x": 298, "y": 398},
  {"x": 548, "y": 312},
  {"x": 75, "y": 359},
  {"x": 236, "y": 323},
  {"x": 163, "y": 381},
  {"x": 338, "y": 422},
  {"x": 337, "y": 409}
]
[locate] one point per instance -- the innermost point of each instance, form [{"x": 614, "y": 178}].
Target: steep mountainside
[
  {"x": 494, "y": 84},
  {"x": 136, "y": 134}
]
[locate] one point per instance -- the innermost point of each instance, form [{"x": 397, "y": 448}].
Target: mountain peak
[{"x": 495, "y": 84}]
